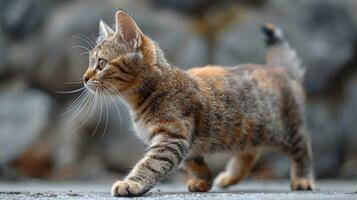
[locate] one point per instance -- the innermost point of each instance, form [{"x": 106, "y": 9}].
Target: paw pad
[
  {"x": 302, "y": 184},
  {"x": 198, "y": 185},
  {"x": 127, "y": 188}
]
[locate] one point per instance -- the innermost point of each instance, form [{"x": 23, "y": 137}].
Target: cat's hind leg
[
  {"x": 201, "y": 178},
  {"x": 237, "y": 169},
  {"x": 302, "y": 166}
]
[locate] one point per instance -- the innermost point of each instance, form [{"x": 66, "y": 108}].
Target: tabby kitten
[{"x": 183, "y": 115}]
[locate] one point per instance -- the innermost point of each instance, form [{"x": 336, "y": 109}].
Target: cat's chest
[{"x": 141, "y": 129}]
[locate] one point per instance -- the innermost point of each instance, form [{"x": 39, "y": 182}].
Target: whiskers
[
  {"x": 93, "y": 98},
  {"x": 71, "y": 91},
  {"x": 85, "y": 49},
  {"x": 73, "y": 82}
]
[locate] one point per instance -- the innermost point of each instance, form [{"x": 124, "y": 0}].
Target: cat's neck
[
  {"x": 163, "y": 79},
  {"x": 160, "y": 59},
  {"x": 160, "y": 77}
]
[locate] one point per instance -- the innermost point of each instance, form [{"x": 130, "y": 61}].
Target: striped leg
[
  {"x": 201, "y": 178},
  {"x": 163, "y": 156},
  {"x": 302, "y": 166}
]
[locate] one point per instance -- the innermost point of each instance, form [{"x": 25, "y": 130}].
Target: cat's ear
[
  {"x": 126, "y": 30},
  {"x": 104, "y": 31}
]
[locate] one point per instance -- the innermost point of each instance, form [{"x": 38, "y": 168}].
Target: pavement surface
[{"x": 248, "y": 190}]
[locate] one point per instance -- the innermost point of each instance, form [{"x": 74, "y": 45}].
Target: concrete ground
[{"x": 248, "y": 190}]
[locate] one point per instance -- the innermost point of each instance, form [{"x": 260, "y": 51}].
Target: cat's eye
[{"x": 101, "y": 64}]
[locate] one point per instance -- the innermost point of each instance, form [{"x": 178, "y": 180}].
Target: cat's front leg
[{"x": 167, "y": 151}]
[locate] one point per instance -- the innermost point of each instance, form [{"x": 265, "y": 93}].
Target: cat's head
[{"x": 121, "y": 57}]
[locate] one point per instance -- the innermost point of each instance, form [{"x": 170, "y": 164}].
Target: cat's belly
[{"x": 215, "y": 146}]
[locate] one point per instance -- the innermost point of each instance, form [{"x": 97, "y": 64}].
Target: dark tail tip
[{"x": 273, "y": 34}]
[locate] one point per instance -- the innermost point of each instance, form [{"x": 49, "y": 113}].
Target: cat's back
[
  {"x": 209, "y": 72},
  {"x": 264, "y": 77},
  {"x": 249, "y": 85}
]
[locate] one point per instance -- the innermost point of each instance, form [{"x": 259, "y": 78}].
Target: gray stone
[
  {"x": 24, "y": 115},
  {"x": 19, "y": 18},
  {"x": 326, "y": 134},
  {"x": 348, "y": 138},
  {"x": 3, "y": 55}
]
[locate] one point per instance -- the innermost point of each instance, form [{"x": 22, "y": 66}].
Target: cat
[{"x": 183, "y": 115}]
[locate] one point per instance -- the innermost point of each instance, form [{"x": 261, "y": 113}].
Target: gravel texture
[{"x": 248, "y": 190}]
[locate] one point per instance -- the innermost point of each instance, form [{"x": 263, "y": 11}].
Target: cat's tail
[{"x": 280, "y": 53}]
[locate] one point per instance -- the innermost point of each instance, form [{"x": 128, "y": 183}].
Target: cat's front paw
[{"x": 128, "y": 188}]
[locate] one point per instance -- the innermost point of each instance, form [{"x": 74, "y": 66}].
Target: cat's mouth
[{"x": 93, "y": 85}]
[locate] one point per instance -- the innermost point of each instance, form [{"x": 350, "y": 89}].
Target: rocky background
[{"x": 42, "y": 50}]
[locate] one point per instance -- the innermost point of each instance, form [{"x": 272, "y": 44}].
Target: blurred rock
[
  {"x": 24, "y": 115},
  {"x": 324, "y": 36},
  {"x": 193, "y": 7},
  {"x": 3, "y": 55},
  {"x": 25, "y": 56},
  {"x": 63, "y": 59},
  {"x": 19, "y": 18},
  {"x": 35, "y": 161},
  {"x": 348, "y": 120},
  {"x": 192, "y": 54},
  {"x": 198, "y": 7},
  {"x": 326, "y": 134}
]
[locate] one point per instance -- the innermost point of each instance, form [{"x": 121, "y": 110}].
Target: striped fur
[{"x": 183, "y": 115}]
